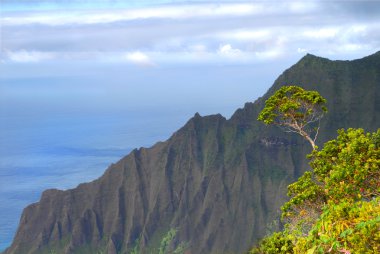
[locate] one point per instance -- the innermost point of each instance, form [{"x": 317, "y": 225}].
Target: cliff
[{"x": 216, "y": 183}]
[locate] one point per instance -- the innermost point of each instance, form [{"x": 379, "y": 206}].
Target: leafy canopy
[
  {"x": 336, "y": 207},
  {"x": 295, "y": 109}
]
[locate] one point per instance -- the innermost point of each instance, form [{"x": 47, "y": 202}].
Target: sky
[
  {"x": 167, "y": 51},
  {"x": 153, "y": 34}
]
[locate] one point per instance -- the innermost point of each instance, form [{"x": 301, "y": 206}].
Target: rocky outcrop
[{"x": 218, "y": 183}]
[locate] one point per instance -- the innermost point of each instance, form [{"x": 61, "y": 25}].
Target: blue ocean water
[{"x": 60, "y": 127}]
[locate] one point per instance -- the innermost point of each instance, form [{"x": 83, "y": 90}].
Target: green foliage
[
  {"x": 166, "y": 240},
  {"x": 294, "y": 109},
  {"x": 349, "y": 166},
  {"x": 136, "y": 248},
  {"x": 353, "y": 227},
  {"x": 292, "y": 102},
  {"x": 305, "y": 192},
  {"x": 165, "y": 245},
  {"x": 181, "y": 248},
  {"x": 277, "y": 243},
  {"x": 336, "y": 207}
]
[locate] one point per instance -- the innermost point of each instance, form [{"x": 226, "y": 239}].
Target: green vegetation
[
  {"x": 295, "y": 109},
  {"x": 136, "y": 248},
  {"x": 336, "y": 207},
  {"x": 166, "y": 240},
  {"x": 165, "y": 245}
]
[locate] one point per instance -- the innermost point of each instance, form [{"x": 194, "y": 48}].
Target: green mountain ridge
[{"x": 216, "y": 183}]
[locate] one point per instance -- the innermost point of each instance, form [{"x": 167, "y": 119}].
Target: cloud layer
[{"x": 196, "y": 32}]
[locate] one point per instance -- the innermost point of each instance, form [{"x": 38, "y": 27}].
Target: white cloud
[
  {"x": 268, "y": 54},
  {"x": 180, "y": 33},
  {"x": 227, "y": 50},
  {"x": 100, "y": 17},
  {"x": 198, "y": 48},
  {"x": 322, "y": 33},
  {"x": 302, "y": 7},
  {"x": 352, "y": 47},
  {"x": 139, "y": 58},
  {"x": 246, "y": 34},
  {"x": 24, "y": 56},
  {"x": 301, "y": 50},
  {"x": 359, "y": 28}
]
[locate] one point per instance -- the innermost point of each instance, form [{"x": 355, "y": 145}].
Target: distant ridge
[{"x": 216, "y": 183}]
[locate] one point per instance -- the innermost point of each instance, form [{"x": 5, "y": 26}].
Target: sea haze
[{"x": 58, "y": 129}]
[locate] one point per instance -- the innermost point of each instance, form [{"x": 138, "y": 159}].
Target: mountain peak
[
  {"x": 310, "y": 57},
  {"x": 197, "y": 115}
]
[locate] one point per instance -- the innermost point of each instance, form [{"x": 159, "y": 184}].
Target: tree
[
  {"x": 295, "y": 109},
  {"x": 335, "y": 208}
]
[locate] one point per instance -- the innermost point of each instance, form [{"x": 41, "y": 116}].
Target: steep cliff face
[{"x": 217, "y": 183}]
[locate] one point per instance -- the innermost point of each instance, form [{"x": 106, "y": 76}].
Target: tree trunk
[{"x": 308, "y": 138}]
